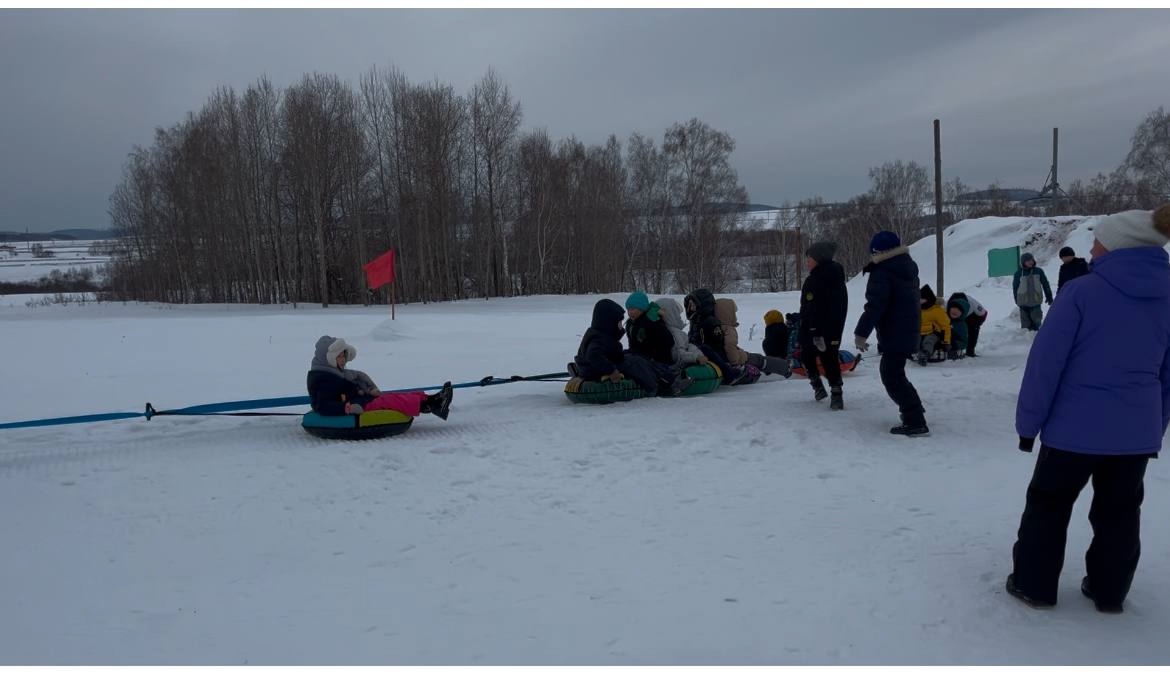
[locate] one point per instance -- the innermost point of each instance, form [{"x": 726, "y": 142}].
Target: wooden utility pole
[{"x": 938, "y": 219}]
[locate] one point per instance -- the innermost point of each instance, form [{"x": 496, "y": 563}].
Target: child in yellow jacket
[{"x": 935, "y": 331}]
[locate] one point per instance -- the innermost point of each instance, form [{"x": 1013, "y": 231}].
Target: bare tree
[{"x": 902, "y": 189}]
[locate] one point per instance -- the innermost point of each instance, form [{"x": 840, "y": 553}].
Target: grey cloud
[{"x": 812, "y": 97}]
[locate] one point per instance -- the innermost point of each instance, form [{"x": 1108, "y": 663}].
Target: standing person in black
[
  {"x": 824, "y": 302},
  {"x": 892, "y": 307},
  {"x": 1071, "y": 267}
]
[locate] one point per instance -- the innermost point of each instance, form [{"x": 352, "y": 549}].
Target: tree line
[
  {"x": 276, "y": 196},
  {"x": 272, "y": 196}
]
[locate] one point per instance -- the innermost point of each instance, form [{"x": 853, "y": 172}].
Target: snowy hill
[{"x": 750, "y": 526}]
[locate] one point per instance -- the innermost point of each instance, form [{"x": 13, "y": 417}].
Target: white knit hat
[
  {"x": 1129, "y": 229},
  {"x": 340, "y": 345}
]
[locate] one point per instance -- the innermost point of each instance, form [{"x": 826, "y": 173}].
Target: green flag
[{"x": 1003, "y": 262}]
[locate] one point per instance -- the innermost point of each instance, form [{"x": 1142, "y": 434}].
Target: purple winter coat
[{"x": 1098, "y": 375}]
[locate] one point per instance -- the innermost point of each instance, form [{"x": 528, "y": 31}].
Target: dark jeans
[
  {"x": 830, "y": 358},
  {"x": 974, "y": 323},
  {"x": 1115, "y": 515},
  {"x": 893, "y": 372}
]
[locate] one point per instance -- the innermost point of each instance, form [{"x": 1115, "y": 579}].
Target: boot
[
  {"x": 680, "y": 384},
  {"x": 1024, "y": 598},
  {"x": 837, "y": 402},
  {"x": 439, "y": 404},
  {"x": 911, "y": 430},
  {"x": 818, "y": 388},
  {"x": 923, "y": 358},
  {"x": 1104, "y": 608}
]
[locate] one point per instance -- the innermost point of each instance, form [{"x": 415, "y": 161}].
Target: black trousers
[
  {"x": 650, "y": 375},
  {"x": 893, "y": 372},
  {"x": 974, "y": 323},
  {"x": 1115, "y": 515},
  {"x": 830, "y": 358}
]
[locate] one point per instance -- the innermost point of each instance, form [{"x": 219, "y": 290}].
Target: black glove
[
  {"x": 952, "y": 355},
  {"x": 1027, "y": 443}
]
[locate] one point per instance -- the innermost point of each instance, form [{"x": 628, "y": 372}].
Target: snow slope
[{"x": 751, "y": 526}]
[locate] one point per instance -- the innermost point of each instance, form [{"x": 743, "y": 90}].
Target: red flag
[{"x": 380, "y": 270}]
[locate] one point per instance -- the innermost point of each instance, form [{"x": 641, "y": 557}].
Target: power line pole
[{"x": 938, "y": 219}]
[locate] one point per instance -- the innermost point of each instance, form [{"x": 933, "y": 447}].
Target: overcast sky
[{"x": 813, "y": 98}]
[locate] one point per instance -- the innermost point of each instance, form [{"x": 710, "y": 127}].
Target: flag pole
[{"x": 393, "y": 297}]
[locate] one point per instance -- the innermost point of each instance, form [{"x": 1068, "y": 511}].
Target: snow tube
[
  {"x": 706, "y": 380},
  {"x": 373, "y": 424},
  {"x": 848, "y": 362},
  {"x": 592, "y": 391}
]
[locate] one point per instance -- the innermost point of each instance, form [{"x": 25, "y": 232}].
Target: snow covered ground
[{"x": 751, "y": 526}]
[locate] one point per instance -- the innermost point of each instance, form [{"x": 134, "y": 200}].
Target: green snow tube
[
  {"x": 706, "y": 380},
  {"x": 368, "y": 425}
]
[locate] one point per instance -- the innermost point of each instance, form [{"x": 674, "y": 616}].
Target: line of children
[{"x": 600, "y": 356}]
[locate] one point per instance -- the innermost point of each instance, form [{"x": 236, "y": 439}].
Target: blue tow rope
[{"x": 229, "y": 407}]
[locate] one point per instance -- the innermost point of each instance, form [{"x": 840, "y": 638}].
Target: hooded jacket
[
  {"x": 600, "y": 351},
  {"x": 824, "y": 302},
  {"x": 1033, "y": 282},
  {"x": 959, "y": 331},
  {"x": 684, "y": 352},
  {"x": 330, "y": 387},
  {"x": 892, "y": 302},
  {"x": 1098, "y": 375},
  {"x": 705, "y": 330},
  {"x": 934, "y": 318},
  {"x": 725, "y": 311}
]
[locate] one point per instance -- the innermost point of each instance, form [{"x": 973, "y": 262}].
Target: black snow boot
[
  {"x": 837, "y": 402},
  {"x": 923, "y": 358},
  {"x": 818, "y": 388},
  {"x": 912, "y": 429},
  {"x": 1104, "y": 608},
  {"x": 1024, "y": 598},
  {"x": 439, "y": 404}
]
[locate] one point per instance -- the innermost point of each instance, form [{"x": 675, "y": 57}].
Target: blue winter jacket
[
  {"x": 1098, "y": 376},
  {"x": 892, "y": 302}
]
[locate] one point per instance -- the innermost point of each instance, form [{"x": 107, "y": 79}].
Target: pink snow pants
[{"x": 408, "y": 403}]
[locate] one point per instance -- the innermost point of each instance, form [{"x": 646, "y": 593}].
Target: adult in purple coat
[{"x": 1097, "y": 392}]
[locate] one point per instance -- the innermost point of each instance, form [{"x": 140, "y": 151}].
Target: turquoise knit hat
[{"x": 638, "y": 300}]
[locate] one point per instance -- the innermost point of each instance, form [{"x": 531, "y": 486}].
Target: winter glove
[
  {"x": 819, "y": 343},
  {"x": 353, "y": 409},
  {"x": 1027, "y": 443},
  {"x": 953, "y": 355},
  {"x": 615, "y": 376},
  {"x": 860, "y": 343}
]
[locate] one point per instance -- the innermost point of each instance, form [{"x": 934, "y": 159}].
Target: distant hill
[{"x": 63, "y": 235}]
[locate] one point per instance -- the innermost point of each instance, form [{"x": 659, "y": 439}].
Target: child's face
[
  {"x": 342, "y": 358},
  {"x": 634, "y": 313},
  {"x": 955, "y": 312}
]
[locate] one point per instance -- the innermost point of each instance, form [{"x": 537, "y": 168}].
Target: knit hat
[
  {"x": 1067, "y": 252},
  {"x": 1131, "y": 229},
  {"x": 773, "y": 316},
  {"x": 822, "y": 251},
  {"x": 927, "y": 294},
  {"x": 336, "y": 347},
  {"x": 638, "y": 300},
  {"x": 884, "y": 241}
]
